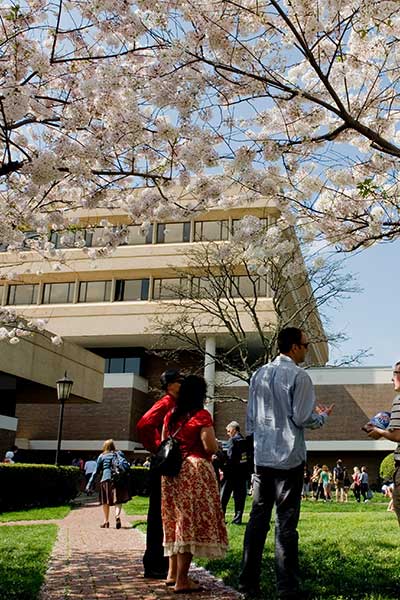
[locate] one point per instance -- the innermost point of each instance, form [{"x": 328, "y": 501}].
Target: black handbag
[{"x": 168, "y": 458}]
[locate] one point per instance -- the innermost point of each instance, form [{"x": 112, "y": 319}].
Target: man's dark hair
[
  {"x": 287, "y": 337},
  {"x": 169, "y": 376}
]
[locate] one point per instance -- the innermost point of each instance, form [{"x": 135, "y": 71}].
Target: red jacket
[{"x": 150, "y": 426}]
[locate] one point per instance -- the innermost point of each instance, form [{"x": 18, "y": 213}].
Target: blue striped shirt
[{"x": 281, "y": 404}]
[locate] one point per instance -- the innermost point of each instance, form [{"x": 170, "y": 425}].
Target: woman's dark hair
[
  {"x": 191, "y": 397},
  {"x": 287, "y": 337}
]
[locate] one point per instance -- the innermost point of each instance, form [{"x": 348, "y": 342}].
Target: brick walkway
[{"x": 90, "y": 563}]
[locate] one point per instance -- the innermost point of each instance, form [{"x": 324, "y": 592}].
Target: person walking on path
[
  {"x": 89, "y": 468},
  {"x": 392, "y": 433},
  {"x": 111, "y": 494},
  {"x": 193, "y": 520},
  {"x": 149, "y": 430},
  {"x": 235, "y": 472},
  {"x": 281, "y": 404}
]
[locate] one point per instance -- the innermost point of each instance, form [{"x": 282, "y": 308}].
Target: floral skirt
[{"x": 193, "y": 520}]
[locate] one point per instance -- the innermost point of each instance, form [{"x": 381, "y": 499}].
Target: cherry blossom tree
[{"x": 164, "y": 107}]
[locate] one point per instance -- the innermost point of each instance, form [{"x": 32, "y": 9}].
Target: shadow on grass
[{"x": 360, "y": 573}]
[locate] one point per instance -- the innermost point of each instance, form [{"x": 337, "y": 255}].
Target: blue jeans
[{"x": 283, "y": 489}]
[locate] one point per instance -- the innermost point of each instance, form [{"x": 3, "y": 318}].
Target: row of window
[
  {"x": 130, "y": 290},
  {"x": 158, "y": 233}
]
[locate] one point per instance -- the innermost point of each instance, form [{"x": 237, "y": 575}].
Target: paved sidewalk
[{"x": 90, "y": 563}]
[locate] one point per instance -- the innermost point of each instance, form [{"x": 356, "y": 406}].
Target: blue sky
[{"x": 372, "y": 317}]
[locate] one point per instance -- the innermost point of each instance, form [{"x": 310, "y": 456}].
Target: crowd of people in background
[{"x": 319, "y": 483}]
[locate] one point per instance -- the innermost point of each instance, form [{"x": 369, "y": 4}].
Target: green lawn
[
  {"x": 24, "y": 554},
  {"x": 137, "y": 506},
  {"x": 347, "y": 551},
  {"x": 33, "y": 514}
]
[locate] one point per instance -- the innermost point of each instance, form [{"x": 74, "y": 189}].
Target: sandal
[{"x": 105, "y": 525}]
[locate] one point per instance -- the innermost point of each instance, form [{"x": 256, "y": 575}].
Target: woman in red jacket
[{"x": 193, "y": 520}]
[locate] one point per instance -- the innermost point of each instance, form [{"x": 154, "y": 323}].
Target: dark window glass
[
  {"x": 211, "y": 231},
  {"x": 164, "y": 289},
  {"x": 170, "y": 233},
  {"x": 131, "y": 289},
  {"x": 123, "y": 365},
  {"x": 95, "y": 291},
  {"x": 132, "y": 365},
  {"x": 116, "y": 365},
  {"x": 58, "y": 293},
  {"x": 22, "y": 294},
  {"x": 136, "y": 235}
]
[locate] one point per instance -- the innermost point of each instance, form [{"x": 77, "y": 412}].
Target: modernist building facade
[{"x": 110, "y": 308}]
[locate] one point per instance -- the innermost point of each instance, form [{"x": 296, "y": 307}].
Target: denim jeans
[{"x": 283, "y": 489}]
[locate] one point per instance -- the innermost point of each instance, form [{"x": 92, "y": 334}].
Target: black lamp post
[{"x": 64, "y": 387}]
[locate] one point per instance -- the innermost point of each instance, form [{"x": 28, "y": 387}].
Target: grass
[
  {"x": 347, "y": 551},
  {"x": 34, "y": 514},
  {"x": 137, "y": 506},
  {"x": 24, "y": 554}
]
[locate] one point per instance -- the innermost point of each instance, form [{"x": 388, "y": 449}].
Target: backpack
[
  {"x": 339, "y": 473},
  {"x": 120, "y": 467}
]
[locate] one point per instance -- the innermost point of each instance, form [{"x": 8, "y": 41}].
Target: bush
[
  {"x": 140, "y": 477},
  {"x": 386, "y": 469},
  {"x": 26, "y": 485}
]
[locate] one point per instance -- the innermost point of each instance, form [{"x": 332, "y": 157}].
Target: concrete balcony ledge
[
  {"x": 126, "y": 380},
  {"x": 8, "y": 423},
  {"x": 350, "y": 445}
]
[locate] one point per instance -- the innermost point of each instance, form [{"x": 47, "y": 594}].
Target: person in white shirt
[{"x": 89, "y": 468}]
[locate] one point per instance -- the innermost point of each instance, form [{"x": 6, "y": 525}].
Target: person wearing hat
[
  {"x": 149, "y": 429},
  {"x": 235, "y": 472}
]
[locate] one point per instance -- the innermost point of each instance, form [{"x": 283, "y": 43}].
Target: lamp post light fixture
[{"x": 64, "y": 387}]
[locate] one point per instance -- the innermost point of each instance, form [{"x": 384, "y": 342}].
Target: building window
[
  {"x": 130, "y": 364},
  {"x": 167, "y": 289},
  {"x": 95, "y": 291},
  {"x": 71, "y": 239},
  {"x": 136, "y": 235},
  {"x": 209, "y": 231},
  {"x": 23, "y": 294},
  {"x": 58, "y": 293},
  {"x": 131, "y": 289},
  {"x": 170, "y": 233},
  {"x": 244, "y": 286},
  {"x": 204, "y": 287}
]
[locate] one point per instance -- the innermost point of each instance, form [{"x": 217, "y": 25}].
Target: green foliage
[
  {"x": 24, "y": 553},
  {"x": 36, "y": 514},
  {"x": 27, "y": 485},
  {"x": 386, "y": 469}
]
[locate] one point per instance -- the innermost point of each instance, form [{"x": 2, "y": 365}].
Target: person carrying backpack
[
  {"x": 113, "y": 468},
  {"x": 338, "y": 480}
]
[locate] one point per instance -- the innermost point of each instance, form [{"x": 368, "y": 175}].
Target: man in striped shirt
[{"x": 392, "y": 433}]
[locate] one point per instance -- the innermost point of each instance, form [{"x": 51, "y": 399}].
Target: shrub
[
  {"x": 140, "y": 477},
  {"x": 27, "y": 485},
  {"x": 386, "y": 469}
]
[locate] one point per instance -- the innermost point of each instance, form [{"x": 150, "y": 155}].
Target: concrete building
[{"x": 108, "y": 308}]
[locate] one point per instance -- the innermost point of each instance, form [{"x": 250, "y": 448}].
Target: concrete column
[{"x": 209, "y": 371}]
